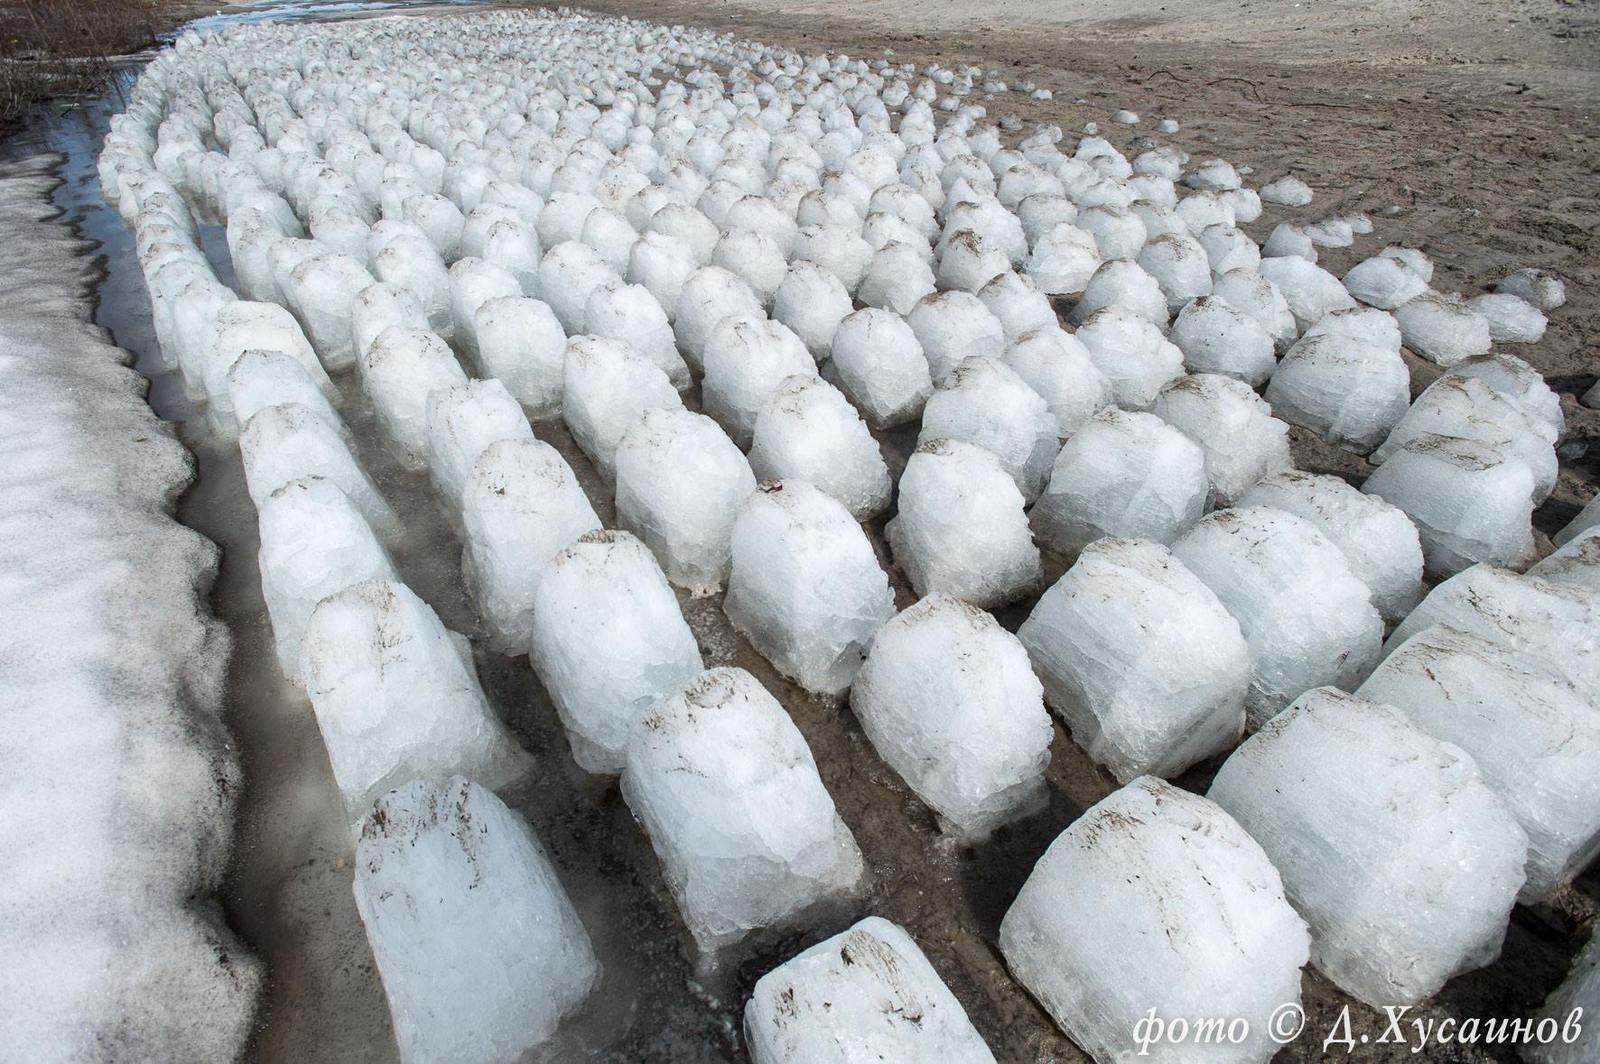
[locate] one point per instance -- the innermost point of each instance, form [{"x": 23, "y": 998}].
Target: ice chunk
[
  {"x": 1365, "y": 325},
  {"x": 1217, "y": 337},
  {"x": 1118, "y": 233},
  {"x": 950, "y": 702},
  {"x": 608, "y": 643},
  {"x": 243, "y": 326},
  {"x": 661, "y": 264},
  {"x": 1443, "y": 329},
  {"x": 378, "y": 307},
  {"x": 1058, "y": 366},
  {"x": 1132, "y": 355},
  {"x": 1179, "y": 265},
  {"x": 680, "y": 483},
  {"x": 463, "y": 420},
  {"x": 289, "y": 441},
  {"x": 480, "y": 951},
  {"x": 1251, "y": 293},
  {"x": 521, "y": 506},
  {"x": 323, "y": 290},
  {"x": 728, "y": 792},
  {"x": 400, "y": 373},
  {"x": 1155, "y": 899},
  {"x": 1348, "y": 392},
  {"x": 1063, "y": 259},
  {"x": 952, "y": 326},
  {"x": 1122, "y": 474},
  {"x": 1413, "y": 259},
  {"x": 709, "y": 295},
  {"x": 1140, "y": 659},
  {"x": 746, "y": 358},
  {"x": 985, "y": 403},
  {"x": 569, "y": 274},
  {"x": 1378, "y": 540},
  {"x": 865, "y": 994},
  {"x": 1226, "y": 247},
  {"x": 812, "y": 303},
  {"x": 606, "y": 386},
  {"x": 1534, "y": 736},
  {"x": 1310, "y": 291},
  {"x": 1235, "y": 428},
  {"x": 880, "y": 366},
  {"x": 1017, "y": 305},
  {"x": 809, "y": 431},
  {"x": 1515, "y": 379},
  {"x": 395, "y": 698},
  {"x": 1472, "y": 408},
  {"x": 521, "y": 345},
  {"x": 805, "y": 587},
  {"x": 1542, "y": 289},
  {"x": 1288, "y": 191},
  {"x": 314, "y": 543},
  {"x": 1577, "y": 996},
  {"x": 1288, "y": 240},
  {"x": 1308, "y": 619},
  {"x": 1384, "y": 282},
  {"x": 1576, "y": 562},
  {"x": 260, "y": 379},
  {"x": 630, "y": 313},
  {"x": 1471, "y": 502},
  {"x": 1125, "y": 285},
  {"x": 897, "y": 277},
  {"x": 961, "y": 528},
  {"x": 1336, "y": 789},
  {"x": 1587, "y": 518}
]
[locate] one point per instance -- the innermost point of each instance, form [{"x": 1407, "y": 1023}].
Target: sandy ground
[{"x": 1466, "y": 131}]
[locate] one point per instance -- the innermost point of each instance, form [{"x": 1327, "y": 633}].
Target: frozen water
[
  {"x": 400, "y": 373},
  {"x": 985, "y": 403},
  {"x": 967, "y": 261},
  {"x": 396, "y": 696},
  {"x": 708, "y": 295},
  {"x": 521, "y": 506},
  {"x": 1288, "y": 191},
  {"x": 1579, "y": 992},
  {"x": 628, "y": 312},
  {"x": 1179, "y": 265},
  {"x": 474, "y": 282},
  {"x": 952, "y": 326},
  {"x": 1365, "y": 325},
  {"x": 1140, "y": 659},
  {"x": 1514, "y": 379},
  {"x": 897, "y": 277},
  {"x": 1226, "y": 247},
  {"x": 1399, "y": 857},
  {"x": 1471, "y": 408},
  {"x": 314, "y": 543},
  {"x": 1576, "y": 562},
  {"x": 463, "y": 420},
  {"x": 812, "y": 303},
  {"x": 1308, "y": 619},
  {"x": 569, "y": 274},
  {"x": 1251, "y": 293},
  {"x": 1235, "y": 428},
  {"x": 867, "y": 993},
  {"x": 747, "y": 357},
  {"x": 1384, "y": 282},
  {"x": 242, "y": 326},
  {"x": 1122, "y": 474},
  {"x": 521, "y": 344},
  {"x": 961, "y": 528},
  {"x": 260, "y": 379},
  {"x": 1542, "y": 289},
  {"x": 606, "y": 387},
  {"x": 1017, "y": 305},
  {"x": 608, "y": 643},
  {"x": 1216, "y": 337},
  {"x": 1348, "y": 392},
  {"x": 805, "y": 587},
  {"x": 480, "y": 950},
  {"x": 1118, "y": 232},
  {"x": 1126, "y": 286},
  {"x": 1534, "y": 736},
  {"x": 1131, "y": 354},
  {"x": 1155, "y": 899},
  {"x": 1442, "y": 329},
  {"x": 1471, "y": 502},
  {"x": 1287, "y": 240},
  {"x": 322, "y": 289},
  {"x": 289, "y": 441},
  {"x": 1414, "y": 259},
  {"x": 728, "y": 792},
  {"x": 1057, "y": 366},
  {"x": 950, "y": 702},
  {"x": 1063, "y": 259},
  {"x": 680, "y": 483},
  {"x": 1378, "y": 540},
  {"x": 880, "y": 366},
  {"x": 1310, "y": 291},
  {"x": 809, "y": 431},
  {"x": 1511, "y": 319}
]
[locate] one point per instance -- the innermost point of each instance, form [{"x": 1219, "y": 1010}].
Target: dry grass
[{"x": 55, "y": 47}]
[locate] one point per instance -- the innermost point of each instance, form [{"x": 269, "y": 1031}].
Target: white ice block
[
  {"x": 1349, "y": 393},
  {"x": 463, "y": 420},
  {"x": 260, "y": 379},
  {"x": 952, "y": 326},
  {"x": 746, "y": 359},
  {"x": 1217, "y": 337},
  {"x": 708, "y": 295},
  {"x": 1122, "y": 474},
  {"x": 812, "y": 303},
  {"x": 521, "y": 506},
  {"x": 1404, "y": 863},
  {"x": 987, "y": 404},
  {"x": 1140, "y": 659},
  {"x": 241, "y": 327},
  {"x": 1534, "y": 736},
  {"x": 1443, "y": 329},
  {"x": 1235, "y": 428},
  {"x": 728, "y": 792},
  {"x": 1580, "y": 990},
  {"x": 808, "y": 430},
  {"x": 322, "y": 289},
  {"x": 606, "y": 387},
  {"x": 401, "y": 371},
  {"x": 805, "y": 587},
  {"x": 608, "y": 643},
  {"x": 1156, "y": 899},
  {"x": 521, "y": 345},
  {"x": 1060, "y": 368},
  {"x": 867, "y": 993},
  {"x": 961, "y": 528},
  {"x": 1132, "y": 355},
  {"x": 680, "y": 484},
  {"x": 480, "y": 950},
  {"x": 630, "y": 313},
  {"x": 950, "y": 702},
  {"x": 1308, "y": 619},
  {"x": 286, "y": 442},
  {"x": 396, "y": 696},
  {"x": 880, "y": 366}
]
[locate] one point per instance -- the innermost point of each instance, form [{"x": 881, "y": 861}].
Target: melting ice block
[
  {"x": 290, "y": 441},
  {"x": 1235, "y": 428},
  {"x": 1580, "y": 990},
  {"x": 396, "y": 696},
  {"x": 805, "y": 586},
  {"x": 809, "y": 431},
  {"x": 880, "y": 366},
  {"x": 314, "y": 543},
  {"x": 607, "y": 387},
  {"x": 1534, "y": 736},
  {"x": 1156, "y": 899},
  {"x": 961, "y": 528},
  {"x": 260, "y": 379},
  {"x": 728, "y": 792},
  {"x": 1348, "y": 392},
  {"x": 680, "y": 484},
  {"x": 1400, "y": 858},
  {"x": 1140, "y": 659},
  {"x": 323, "y": 289},
  {"x": 400, "y": 372},
  {"x": 865, "y": 994},
  {"x": 521, "y": 344},
  {"x": 608, "y": 643},
  {"x": 480, "y": 950},
  {"x": 1122, "y": 474},
  {"x": 746, "y": 359},
  {"x": 521, "y": 506},
  {"x": 950, "y": 702},
  {"x": 1308, "y": 619},
  {"x": 985, "y": 403},
  {"x": 463, "y": 420}
]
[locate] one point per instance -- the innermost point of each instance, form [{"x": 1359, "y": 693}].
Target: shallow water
[{"x": 289, "y": 892}]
